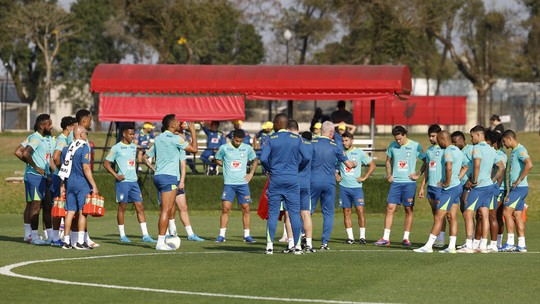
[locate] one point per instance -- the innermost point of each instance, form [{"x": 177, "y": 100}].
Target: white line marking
[{"x": 7, "y": 271}]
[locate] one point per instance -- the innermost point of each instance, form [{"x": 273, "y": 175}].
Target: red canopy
[
  {"x": 417, "y": 110},
  {"x": 214, "y": 91}
]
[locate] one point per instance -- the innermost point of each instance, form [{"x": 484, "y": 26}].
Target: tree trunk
[{"x": 482, "y": 103}]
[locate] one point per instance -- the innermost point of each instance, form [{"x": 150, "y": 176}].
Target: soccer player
[
  {"x": 234, "y": 157},
  {"x": 283, "y": 157},
  {"x": 448, "y": 203},
  {"x": 433, "y": 177},
  {"x": 144, "y": 138},
  {"x": 76, "y": 169},
  {"x": 481, "y": 185},
  {"x": 167, "y": 150},
  {"x": 214, "y": 140},
  {"x": 350, "y": 187},
  {"x": 401, "y": 158},
  {"x": 496, "y": 207},
  {"x": 37, "y": 154},
  {"x": 520, "y": 165},
  {"x": 124, "y": 154},
  {"x": 323, "y": 181},
  {"x": 67, "y": 124}
]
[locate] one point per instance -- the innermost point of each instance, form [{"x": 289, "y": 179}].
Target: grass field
[{"x": 236, "y": 272}]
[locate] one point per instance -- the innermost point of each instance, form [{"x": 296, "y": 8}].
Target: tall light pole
[
  {"x": 288, "y": 35},
  {"x": 4, "y": 99}
]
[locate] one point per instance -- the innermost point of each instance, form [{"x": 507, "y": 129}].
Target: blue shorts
[
  {"x": 434, "y": 193},
  {"x": 56, "y": 181},
  {"x": 402, "y": 193},
  {"x": 240, "y": 191},
  {"x": 165, "y": 183},
  {"x": 35, "y": 187},
  {"x": 128, "y": 192},
  {"x": 75, "y": 198},
  {"x": 305, "y": 199},
  {"x": 449, "y": 197},
  {"x": 516, "y": 198},
  {"x": 479, "y": 197},
  {"x": 350, "y": 196}
]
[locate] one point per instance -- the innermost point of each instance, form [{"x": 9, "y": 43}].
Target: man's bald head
[
  {"x": 444, "y": 139},
  {"x": 280, "y": 122},
  {"x": 79, "y": 132}
]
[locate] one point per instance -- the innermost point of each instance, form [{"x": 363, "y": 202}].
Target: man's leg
[
  {"x": 120, "y": 219},
  {"x": 327, "y": 206},
  {"x": 348, "y": 225},
  {"x": 274, "y": 206},
  {"x": 361, "y": 223},
  {"x": 167, "y": 204},
  {"x": 388, "y": 222},
  {"x": 485, "y": 228}
]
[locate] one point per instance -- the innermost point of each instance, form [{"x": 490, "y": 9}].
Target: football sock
[
  {"x": 430, "y": 241},
  {"x": 35, "y": 235},
  {"x": 246, "y": 233},
  {"x": 475, "y": 244},
  {"x": 483, "y": 244},
  {"x": 468, "y": 243},
  {"x": 349, "y": 233},
  {"x": 441, "y": 236},
  {"x": 362, "y": 233},
  {"x": 521, "y": 241},
  {"x": 510, "y": 239},
  {"x": 160, "y": 240},
  {"x": 122, "y": 231},
  {"x": 499, "y": 240},
  {"x": 309, "y": 242},
  {"x": 406, "y": 235},
  {"x": 452, "y": 242},
  {"x": 222, "y": 231},
  {"x": 80, "y": 237},
  {"x": 27, "y": 230},
  {"x": 270, "y": 246},
  {"x": 172, "y": 227},
  {"x": 386, "y": 235},
  {"x": 189, "y": 230},
  {"x": 291, "y": 243},
  {"x": 144, "y": 229},
  {"x": 55, "y": 235}
]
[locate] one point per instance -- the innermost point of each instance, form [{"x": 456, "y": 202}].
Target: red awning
[
  {"x": 153, "y": 108},
  {"x": 256, "y": 82},
  {"x": 417, "y": 110}
]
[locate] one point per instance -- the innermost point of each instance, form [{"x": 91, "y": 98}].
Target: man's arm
[
  {"x": 499, "y": 176},
  {"x": 388, "y": 165},
  {"x": 369, "y": 171},
  {"x": 88, "y": 174},
  {"x": 476, "y": 171},
  {"x": 108, "y": 167},
  {"x": 19, "y": 152},
  {"x": 193, "y": 147},
  {"x": 526, "y": 169},
  {"x": 448, "y": 175},
  {"x": 252, "y": 170},
  {"x": 183, "y": 163},
  {"x": 146, "y": 160},
  {"x": 27, "y": 157}
]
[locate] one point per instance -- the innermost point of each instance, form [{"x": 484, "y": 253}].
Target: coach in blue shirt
[
  {"x": 283, "y": 157},
  {"x": 323, "y": 177}
]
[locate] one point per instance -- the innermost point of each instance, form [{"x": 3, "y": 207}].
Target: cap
[
  {"x": 317, "y": 125},
  {"x": 495, "y": 117},
  {"x": 237, "y": 122},
  {"x": 148, "y": 125},
  {"x": 342, "y": 127},
  {"x": 268, "y": 125}
]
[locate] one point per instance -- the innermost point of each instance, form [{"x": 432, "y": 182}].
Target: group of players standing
[{"x": 301, "y": 170}]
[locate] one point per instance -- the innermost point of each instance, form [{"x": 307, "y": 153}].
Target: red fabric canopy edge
[
  {"x": 417, "y": 110},
  {"x": 264, "y": 81},
  {"x": 150, "y": 108}
]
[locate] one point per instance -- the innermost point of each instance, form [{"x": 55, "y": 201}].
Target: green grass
[{"x": 346, "y": 273}]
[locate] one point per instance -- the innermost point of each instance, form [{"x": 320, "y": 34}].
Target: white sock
[
  {"x": 35, "y": 235},
  {"x": 499, "y": 240},
  {"x": 160, "y": 240},
  {"x": 521, "y": 241},
  {"x": 452, "y": 242},
  {"x": 80, "y": 238},
  {"x": 406, "y": 235},
  {"x": 386, "y": 235},
  {"x": 475, "y": 244},
  {"x": 222, "y": 231},
  {"x": 362, "y": 233},
  {"x": 87, "y": 238},
  {"x": 246, "y": 233},
  {"x": 172, "y": 227},
  {"x": 493, "y": 244},
  {"x": 27, "y": 230},
  {"x": 468, "y": 243},
  {"x": 67, "y": 240},
  {"x": 309, "y": 242},
  {"x": 189, "y": 230},
  {"x": 74, "y": 238},
  {"x": 349, "y": 233},
  {"x": 483, "y": 244},
  {"x": 46, "y": 233},
  {"x": 430, "y": 241},
  {"x": 144, "y": 229},
  {"x": 284, "y": 231},
  {"x": 291, "y": 243},
  {"x": 122, "y": 231},
  {"x": 55, "y": 235},
  {"x": 509, "y": 239},
  {"x": 441, "y": 236},
  {"x": 269, "y": 246}
]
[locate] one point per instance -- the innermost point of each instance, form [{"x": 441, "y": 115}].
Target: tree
[
  {"x": 484, "y": 40},
  {"x": 46, "y": 25},
  {"x": 532, "y": 45}
]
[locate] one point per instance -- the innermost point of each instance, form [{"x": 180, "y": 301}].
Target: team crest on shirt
[
  {"x": 236, "y": 164},
  {"x": 437, "y": 153},
  {"x": 432, "y": 164},
  {"x": 408, "y": 154},
  {"x": 402, "y": 164},
  {"x": 131, "y": 162},
  {"x": 349, "y": 170},
  {"x": 242, "y": 155}
]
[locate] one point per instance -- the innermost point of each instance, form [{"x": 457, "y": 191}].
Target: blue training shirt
[
  {"x": 323, "y": 164},
  {"x": 304, "y": 176},
  {"x": 77, "y": 179},
  {"x": 284, "y": 156}
]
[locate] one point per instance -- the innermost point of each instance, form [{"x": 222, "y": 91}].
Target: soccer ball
[{"x": 173, "y": 241}]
